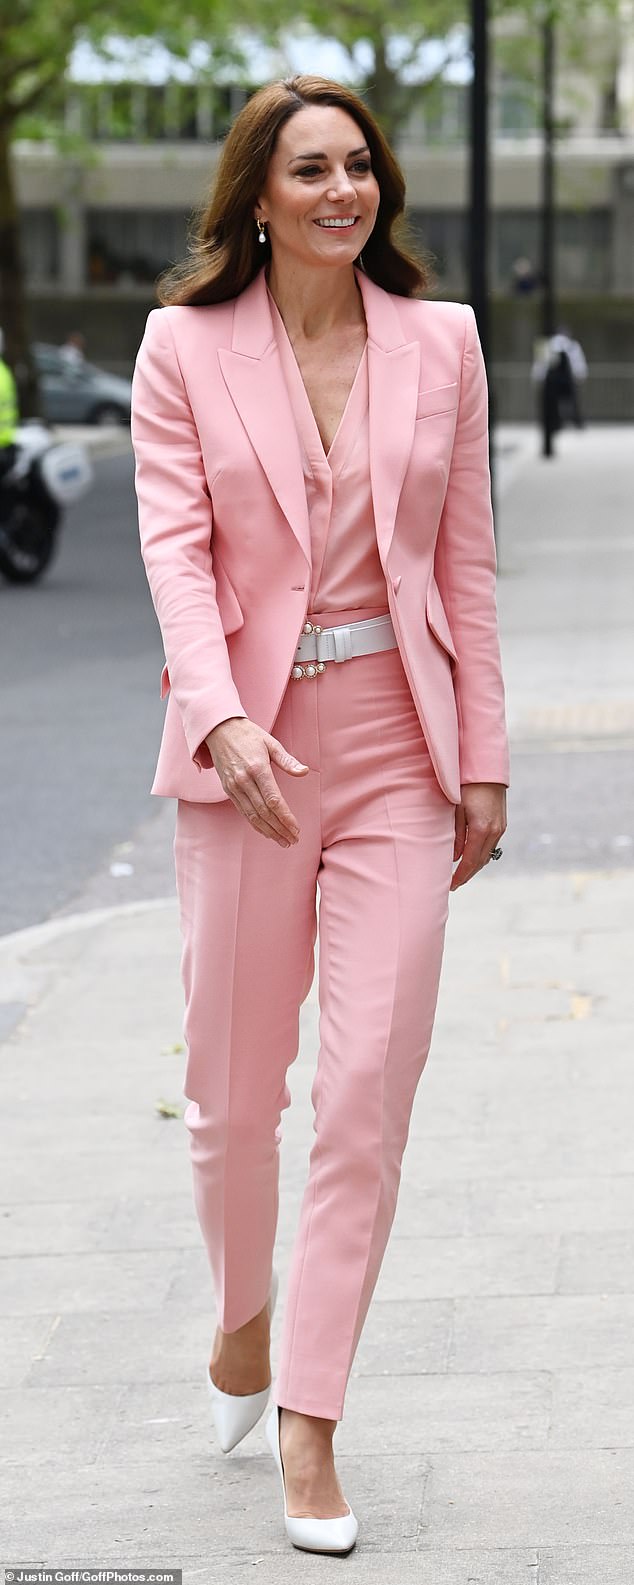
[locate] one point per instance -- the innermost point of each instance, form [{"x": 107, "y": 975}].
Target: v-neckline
[{"x": 323, "y": 455}]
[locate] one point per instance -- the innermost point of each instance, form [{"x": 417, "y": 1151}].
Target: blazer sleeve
[
  {"x": 465, "y": 569},
  {"x": 175, "y": 526}
]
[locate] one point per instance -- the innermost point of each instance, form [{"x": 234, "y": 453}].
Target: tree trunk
[
  {"x": 384, "y": 92},
  {"x": 13, "y": 303},
  {"x": 610, "y": 117}
]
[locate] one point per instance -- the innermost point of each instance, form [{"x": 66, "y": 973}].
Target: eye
[
  {"x": 361, "y": 165},
  {"x": 309, "y": 170}
]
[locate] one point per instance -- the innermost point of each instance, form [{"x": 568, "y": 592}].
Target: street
[
  {"x": 80, "y": 708},
  {"x": 81, "y": 717}
]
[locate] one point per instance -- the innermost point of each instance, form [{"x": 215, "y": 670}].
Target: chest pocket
[{"x": 440, "y": 399}]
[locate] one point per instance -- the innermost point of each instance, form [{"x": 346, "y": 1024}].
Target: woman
[{"x": 315, "y": 518}]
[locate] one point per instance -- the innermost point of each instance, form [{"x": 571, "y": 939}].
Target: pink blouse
[{"x": 346, "y": 568}]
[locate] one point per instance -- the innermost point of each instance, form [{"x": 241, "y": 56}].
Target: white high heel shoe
[
  {"x": 311, "y": 1535},
  {"x": 236, "y": 1414}
]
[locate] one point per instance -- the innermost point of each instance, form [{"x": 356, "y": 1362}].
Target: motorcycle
[{"x": 45, "y": 476}]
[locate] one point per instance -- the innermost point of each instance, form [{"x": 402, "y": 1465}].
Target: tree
[
  {"x": 590, "y": 42},
  {"x": 36, "y": 42},
  {"x": 396, "y": 52}
]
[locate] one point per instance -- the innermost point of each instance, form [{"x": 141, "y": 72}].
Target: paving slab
[
  {"x": 536, "y": 1499},
  {"x": 593, "y": 1408}
]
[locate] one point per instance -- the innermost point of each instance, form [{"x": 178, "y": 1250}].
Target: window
[
  {"x": 38, "y": 230},
  {"x": 582, "y": 246},
  {"x": 443, "y": 234},
  {"x": 130, "y": 247}
]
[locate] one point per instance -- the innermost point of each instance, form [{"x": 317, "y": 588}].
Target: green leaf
[{"x": 168, "y": 1108}]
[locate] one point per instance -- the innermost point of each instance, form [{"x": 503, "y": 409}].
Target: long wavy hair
[{"x": 224, "y": 254}]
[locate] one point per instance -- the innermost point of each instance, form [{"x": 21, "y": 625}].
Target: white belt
[{"x": 318, "y": 645}]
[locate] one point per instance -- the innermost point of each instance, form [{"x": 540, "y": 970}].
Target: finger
[
  {"x": 486, "y": 842},
  {"x": 469, "y": 862},
  {"x": 257, "y": 786},
  {"x": 283, "y": 757},
  {"x": 460, "y": 832},
  {"x": 239, "y": 792},
  {"x": 464, "y": 871},
  {"x": 477, "y": 854},
  {"x": 267, "y": 819},
  {"x": 275, "y": 805},
  {"x": 457, "y": 879},
  {"x": 246, "y": 808}
]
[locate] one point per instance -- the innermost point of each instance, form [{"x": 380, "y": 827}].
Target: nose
[{"x": 341, "y": 187}]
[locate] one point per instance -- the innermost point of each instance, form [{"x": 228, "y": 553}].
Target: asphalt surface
[{"x": 80, "y": 713}]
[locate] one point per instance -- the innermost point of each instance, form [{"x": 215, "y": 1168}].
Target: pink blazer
[{"x": 225, "y": 535}]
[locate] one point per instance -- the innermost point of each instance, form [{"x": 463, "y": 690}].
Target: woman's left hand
[{"x": 480, "y": 822}]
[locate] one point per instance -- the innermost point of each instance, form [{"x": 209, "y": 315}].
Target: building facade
[{"x": 98, "y": 227}]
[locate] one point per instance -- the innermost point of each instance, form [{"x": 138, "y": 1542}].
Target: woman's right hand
[{"x": 242, "y": 754}]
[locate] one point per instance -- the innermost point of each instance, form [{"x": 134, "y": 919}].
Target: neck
[{"x": 315, "y": 302}]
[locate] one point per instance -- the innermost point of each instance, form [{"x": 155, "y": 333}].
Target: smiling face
[{"x": 321, "y": 197}]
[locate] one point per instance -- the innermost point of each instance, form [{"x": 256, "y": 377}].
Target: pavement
[{"x": 488, "y": 1434}]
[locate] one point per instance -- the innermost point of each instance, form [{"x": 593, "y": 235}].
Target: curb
[
  {"x": 24, "y": 981},
  {"x": 34, "y": 936}
]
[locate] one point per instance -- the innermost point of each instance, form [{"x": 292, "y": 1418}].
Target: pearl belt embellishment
[{"x": 313, "y": 668}]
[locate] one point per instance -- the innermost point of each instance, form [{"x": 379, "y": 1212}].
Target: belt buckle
[{"x": 311, "y": 668}]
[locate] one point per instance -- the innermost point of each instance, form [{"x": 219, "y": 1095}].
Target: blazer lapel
[
  {"x": 253, "y": 374},
  {"x": 393, "y": 378}
]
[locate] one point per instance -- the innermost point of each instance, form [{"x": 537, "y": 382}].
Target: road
[{"x": 80, "y": 714}]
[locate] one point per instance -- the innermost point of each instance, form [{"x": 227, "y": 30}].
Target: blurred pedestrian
[
  {"x": 9, "y": 413},
  {"x": 73, "y": 349},
  {"x": 315, "y": 518},
  {"x": 560, "y": 361},
  {"x": 524, "y": 277}
]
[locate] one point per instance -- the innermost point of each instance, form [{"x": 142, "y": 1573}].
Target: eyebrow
[{"x": 363, "y": 150}]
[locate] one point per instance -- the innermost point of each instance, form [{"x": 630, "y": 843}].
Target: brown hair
[{"x": 224, "y": 254}]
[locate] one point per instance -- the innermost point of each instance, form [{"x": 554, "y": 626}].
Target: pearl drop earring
[{"x": 261, "y": 231}]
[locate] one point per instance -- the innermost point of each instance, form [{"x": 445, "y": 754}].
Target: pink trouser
[{"x": 376, "y": 838}]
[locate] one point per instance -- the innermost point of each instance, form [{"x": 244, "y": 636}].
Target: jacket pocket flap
[
  {"x": 229, "y": 608},
  {"x": 441, "y": 399},
  {"x": 231, "y": 613},
  {"x": 437, "y": 618}
]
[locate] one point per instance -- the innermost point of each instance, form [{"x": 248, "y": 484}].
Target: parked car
[{"x": 79, "y": 394}]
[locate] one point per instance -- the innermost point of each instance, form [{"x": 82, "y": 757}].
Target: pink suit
[{"x": 244, "y": 524}]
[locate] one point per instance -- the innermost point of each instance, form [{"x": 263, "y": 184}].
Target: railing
[{"x": 607, "y": 394}]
